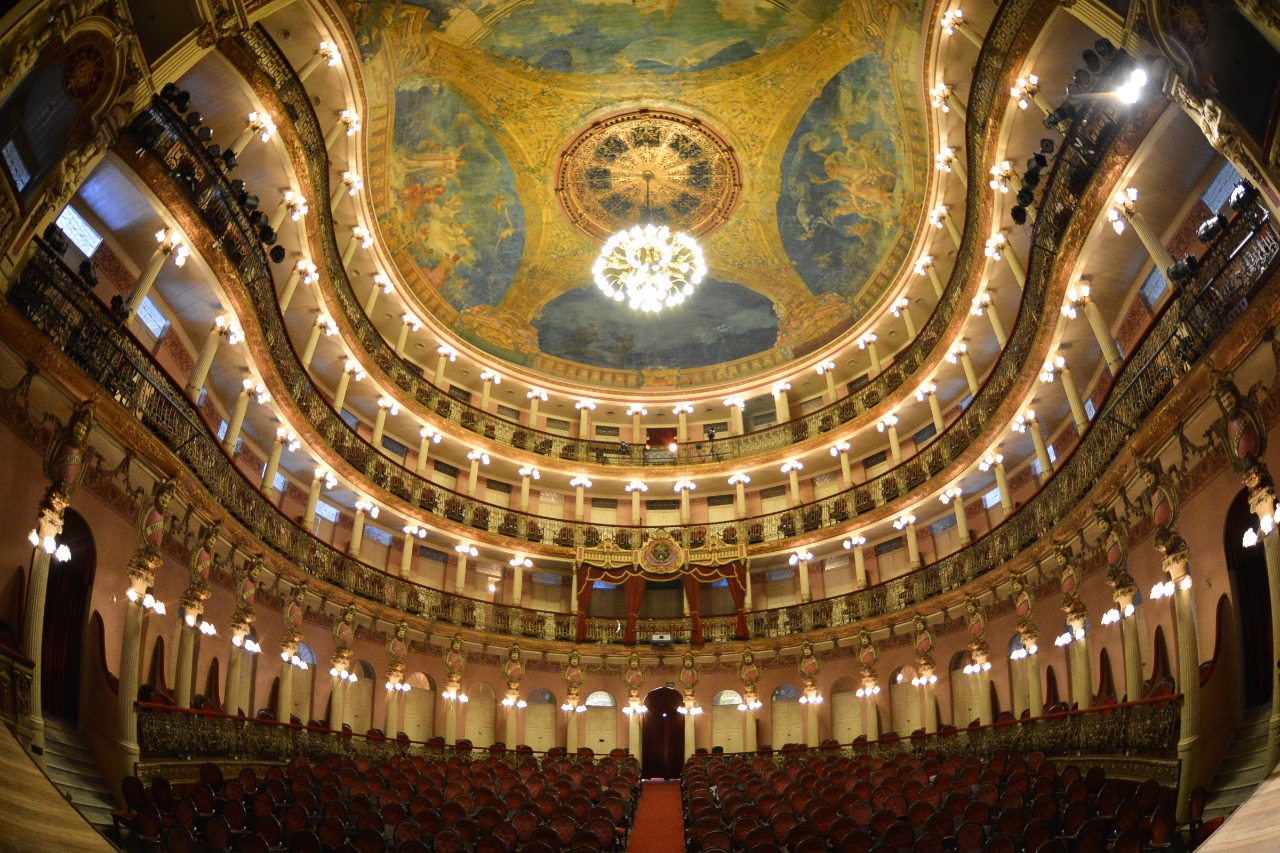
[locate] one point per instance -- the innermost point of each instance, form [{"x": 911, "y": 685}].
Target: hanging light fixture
[{"x": 648, "y": 266}]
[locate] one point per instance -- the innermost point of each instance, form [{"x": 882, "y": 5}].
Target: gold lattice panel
[{"x": 691, "y": 175}]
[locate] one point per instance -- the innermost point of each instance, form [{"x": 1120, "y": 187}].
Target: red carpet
[{"x": 659, "y": 826}]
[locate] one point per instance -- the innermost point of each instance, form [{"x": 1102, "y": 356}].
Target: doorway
[
  {"x": 65, "y": 613},
  {"x": 1247, "y": 569},
  {"x": 662, "y": 735}
]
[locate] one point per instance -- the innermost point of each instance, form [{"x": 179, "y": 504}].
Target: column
[
  {"x": 446, "y": 355},
  {"x": 812, "y": 734},
  {"x": 321, "y": 477},
  {"x": 998, "y": 248},
  {"x": 460, "y": 576},
  {"x": 186, "y": 653},
  {"x": 408, "y": 323},
  {"x": 233, "y": 702},
  {"x": 283, "y": 439},
  {"x": 348, "y": 124},
  {"x": 1129, "y": 638},
  {"x": 868, "y": 342},
  {"x": 518, "y": 564},
  {"x": 350, "y": 185},
  {"x": 477, "y": 458},
  {"x": 925, "y": 266},
  {"x": 1188, "y": 673},
  {"x": 364, "y": 507},
  {"x": 1081, "y": 668},
  {"x": 690, "y": 731},
  {"x": 579, "y": 484},
  {"x": 585, "y": 408},
  {"x": 902, "y": 308},
  {"x": 952, "y": 496},
  {"x": 908, "y": 523},
  {"x": 1027, "y": 91},
  {"x": 528, "y": 473},
  {"x": 1057, "y": 364},
  {"x": 222, "y": 325},
  {"x": 959, "y": 352},
  {"x": 890, "y": 425},
  {"x": 928, "y": 699},
  {"x": 350, "y": 369},
  {"x": 634, "y": 412},
  {"x": 451, "y": 721},
  {"x": 953, "y": 22},
  {"x": 870, "y": 717},
  {"x": 840, "y": 450},
  {"x": 141, "y": 575},
  {"x": 386, "y": 406},
  {"x": 571, "y": 731},
  {"x": 791, "y": 468},
  {"x": 854, "y": 543},
  {"x": 800, "y": 560},
  {"x": 995, "y": 461},
  {"x": 381, "y": 285},
  {"x": 360, "y": 237},
  {"x": 291, "y": 205},
  {"x": 940, "y": 217},
  {"x": 256, "y": 124},
  {"x": 943, "y": 97},
  {"x": 510, "y": 728},
  {"x": 781, "y": 406},
  {"x": 428, "y": 436},
  {"x": 948, "y": 160},
  {"x": 751, "y": 742},
  {"x": 337, "y": 705},
  {"x": 43, "y": 539},
  {"x": 1077, "y": 299},
  {"x": 1125, "y": 208},
  {"x": 412, "y": 532},
  {"x": 535, "y": 396},
  {"x": 322, "y": 325},
  {"x": 683, "y": 487},
  {"x": 1263, "y": 504},
  {"x": 682, "y": 412},
  {"x": 928, "y": 392},
  {"x": 490, "y": 378},
  {"x": 303, "y": 272},
  {"x": 1035, "y": 693},
  {"x": 256, "y": 391},
  {"x": 170, "y": 244},
  {"x": 735, "y": 406},
  {"x": 739, "y": 482},
  {"x": 326, "y": 54},
  {"x": 982, "y": 304},
  {"x": 981, "y": 685},
  {"x": 390, "y": 713},
  {"x": 827, "y": 370},
  {"x": 1026, "y": 422}
]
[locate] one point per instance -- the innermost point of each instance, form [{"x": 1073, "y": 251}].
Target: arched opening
[
  {"x": 1247, "y": 569},
  {"x": 602, "y": 722},
  {"x": 962, "y": 710},
  {"x": 540, "y": 720},
  {"x": 662, "y": 734},
  {"x": 66, "y": 610},
  {"x": 1106, "y": 694},
  {"x": 357, "y": 710},
  {"x": 726, "y": 721},
  {"x": 303, "y": 685},
  {"x": 787, "y": 723},
  {"x": 846, "y": 709},
  {"x": 480, "y": 713}
]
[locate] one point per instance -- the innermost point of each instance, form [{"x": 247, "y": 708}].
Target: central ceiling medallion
[{"x": 649, "y": 181}]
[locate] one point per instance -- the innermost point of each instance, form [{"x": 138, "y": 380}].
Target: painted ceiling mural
[{"x": 472, "y": 104}]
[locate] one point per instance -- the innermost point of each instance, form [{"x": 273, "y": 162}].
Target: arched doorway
[
  {"x": 726, "y": 721},
  {"x": 66, "y": 606},
  {"x": 1247, "y": 569},
  {"x": 662, "y": 734},
  {"x": 602, "y": 722}
]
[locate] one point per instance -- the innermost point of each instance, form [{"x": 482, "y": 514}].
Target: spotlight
[
  {"x": 1025, "y": 197},
  {"x": 169, "y": 91},
  {"x": 53, "y": 236},
  {"x": 1211, "y": 228},
  {"x": 1092, "y": 61},
  {"x": 182, "y": 102},
  {"x": 1082, "y": 79},
  {"x": 1183, "y": 268},
  {"x": 1031, "y": 179},
  {"x": 237, "y": 189},
  {"x": 1244, "y": 195},
  {"x": 1018, "y": 214},
  {"x": 1104, "y": 48},
  {"x": 88, "y": 275},
  {"x": 204, "y": 134},
  {"x": 194, "y": 119},
  {"x": 267, "y": 235},
  {"x": 277, "y": 254},
  {"x": 250, "y": 202},
  {"x": 257, "y": 219},
  {"x": 215, "y": 150},
  {"x": 229, "y": 159}
]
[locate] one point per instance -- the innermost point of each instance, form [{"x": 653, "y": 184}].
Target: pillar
[
  {"x": 682, "y": 412},
  {"x": 460, "y": 574},
  {"x": 690, "y": 731},
  {"x": 364, "y": 508},
  {"x": 908, "y": 523},
  {"x": 326, "y": 54},
  {"x": 320, "y": 477},
  {"x": 337, "y": 704},
  {"x": 322, "y": 325},
  {"x": 381, "y": 285},
  {"x": 735, "y": 405},
  {"x": 360, "y": 237},
  {"x": 517, "y": 591},
  {"x": 1035, "y": 693},
  {"x": 528, "y": 473},
  {"x": 890, "y": 425},
  {"x": 451, "y": 722},
  {"x": 827, "y": 370},
  {"x": 303, "y": 271},
  {"x": 186, "y": 656},
  {"x": 1188, "y": 679},
  {"x": 283, "y": 437},
  {"x": 840, "y": 450},
  {"x": 490, "y": 378},
  {"x": 170, "y": 244},
  {"x": 959, "y": 352},
  {"x": 428, "y": 437},
  {"x": 445, "y": 355},
  {"x": 792, "y": 469},
  {"x": 940, "y": 217},
  {"x": 292, "y": 205},
  {"x": 996, "y": 461},
  {"x": 408, "y": 323},
  {"x": 585, "y": 408},
  {"x": 1081, "y": 665},
  {"x": 998, "y": 248},
  {"x": 929, "y": 393},
  {"x": 1129, "y": 638},
  {"x": 386, "y": 406},
  {"x": 31, "y": 725},
  {"x": 208, "y": 350},
  {"x": 902, "y": 308},
  {"x": 390, "y": 712},
  {"x": 411, "y": 533},
  {"x": 571, "y": 732},
  {"x": 237, "y": 417},
  {"x": 1078, "y": 413},
  {"x": 739, "y": 481},
  {"x": 925, "y": 266},
  {"x": 982, "y": 304},
  {"x": 1126, "y": 209},
  {"x": 1042, "y": 450},
  {"x": 854, "y": 544},
  {"x": 982, "y": 688},
  {"x": 781, "y": 405},
  {"x": 350, "y": 369},
  {"x": 954, "y": 496},
  {"x": 928, "y": 699},
  {"x": 232, "y": 701},
  {"x": 1078, "y": 299},
  {"x": 637, "y": 434},
  {"x": 868, "y": 343},
  {"x": 953, "y": 22},
  {"x": 579, "y": 484},
  {"x": 943, "y": 97},
  {"x": 284, "y": 695},
  {"x": 751, "y": 741},
  {"x": 348, "y": 124}
]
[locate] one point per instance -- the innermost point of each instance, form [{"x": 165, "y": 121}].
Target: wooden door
[{"x": 662, "y": 735}]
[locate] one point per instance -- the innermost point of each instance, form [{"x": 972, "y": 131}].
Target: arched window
[
  {"x": 601, "y": 699},
  {"x": 727, "y": 697}
]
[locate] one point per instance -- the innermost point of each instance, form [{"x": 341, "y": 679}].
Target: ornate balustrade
[
  {"x": 1148, "y": 727},
  {"x": 16, "y": 671},
  {"x": 1011, "y": 24}
]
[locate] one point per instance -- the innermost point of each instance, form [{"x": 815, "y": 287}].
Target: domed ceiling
[{"x": 804, "y": 119}]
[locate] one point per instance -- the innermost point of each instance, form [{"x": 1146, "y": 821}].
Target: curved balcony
[{"x": 257, "y": 56}]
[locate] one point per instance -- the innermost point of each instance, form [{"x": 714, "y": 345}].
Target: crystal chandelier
[{"x": 649, "y": 267}]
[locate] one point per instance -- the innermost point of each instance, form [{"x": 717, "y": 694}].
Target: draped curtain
[
  {"x": 632, "y": 578},
  {"x": 635, "y": 587}
]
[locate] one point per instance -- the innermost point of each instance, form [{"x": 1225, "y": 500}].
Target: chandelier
[{"x": 649, "y": 267}]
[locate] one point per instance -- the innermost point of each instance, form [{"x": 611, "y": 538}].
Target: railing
[
  {"x": 16, "y": 671},
  {"x": 257, "y": 47},
  {"x": 1146, "y": 727},
  {"x": 167, "y": 137},
  {"x": 172, "y": 733}
]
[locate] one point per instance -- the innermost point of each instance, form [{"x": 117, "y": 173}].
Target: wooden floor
[
  {"x": 1253, "y": 826},
  {"x": 34, "y": 817}
]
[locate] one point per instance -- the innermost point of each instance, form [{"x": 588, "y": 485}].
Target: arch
[
  {"x": 601, "y": 699},
  {"x": 66, "y": 612},
  {"x": 846, "y": 709},
  {"x": 1160, "y": 670},
  {"x": 1251, "y": 594},
  {"x": 601, "y": 722},
  {"x": 662, "y": 734},
  {"x": 304, "y": 681},
  {"x": 419, "y": 708},
  {"x": 1106, "y": 681},
  {"x": 540, "y": 719},
  {"x": 481, "y": 714},
  {"x": 727, "y": 697},
  {"x": 1051, "y": 695},
  {"x": 785, "y": 716}
]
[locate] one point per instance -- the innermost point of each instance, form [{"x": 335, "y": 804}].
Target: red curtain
[
  {"x": 585, "y": 585},
  {"x": 738, "y": 589},
  {"x": 692, "y": 592},
  {"x": 635, "y": 587}
]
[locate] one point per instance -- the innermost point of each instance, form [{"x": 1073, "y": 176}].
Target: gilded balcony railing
[{"x": 1009, "y": 25}]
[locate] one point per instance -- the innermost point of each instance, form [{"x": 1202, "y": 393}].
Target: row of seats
[
  {"x": 480, "y": 803},
  {"x": 931, "y": 803}
]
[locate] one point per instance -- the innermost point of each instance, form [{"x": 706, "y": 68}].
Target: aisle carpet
[{"x": 659, "y": 826}]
